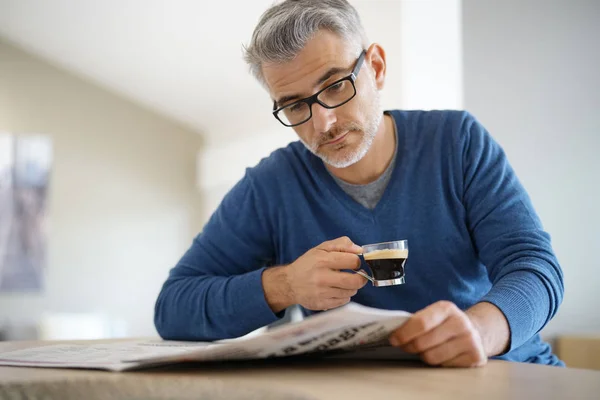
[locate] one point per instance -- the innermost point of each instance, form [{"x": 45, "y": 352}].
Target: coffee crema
[{"x": 386, "y": 254}]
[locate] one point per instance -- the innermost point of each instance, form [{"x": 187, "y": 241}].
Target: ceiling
[{"x": 181, "y": 58}]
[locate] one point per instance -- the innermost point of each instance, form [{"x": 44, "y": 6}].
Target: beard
[{"x": 344, "y": 154}]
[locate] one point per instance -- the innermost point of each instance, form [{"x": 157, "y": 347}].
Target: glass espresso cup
[{"x": 386, "y": 262}]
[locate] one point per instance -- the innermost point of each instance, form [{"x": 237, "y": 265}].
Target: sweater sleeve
[
  {"x": 215, "y": 291},
  {"x": 527, "y": 281}
]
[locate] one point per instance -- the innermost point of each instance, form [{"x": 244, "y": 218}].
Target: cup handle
[{"x": 365, "y": 275}]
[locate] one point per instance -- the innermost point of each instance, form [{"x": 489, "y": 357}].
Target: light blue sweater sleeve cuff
[{"x": 524, "y": 301}]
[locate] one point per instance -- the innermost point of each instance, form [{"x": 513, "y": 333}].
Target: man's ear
[{"x": 376, "y": 59}]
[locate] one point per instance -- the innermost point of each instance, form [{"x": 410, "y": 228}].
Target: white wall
[
  {"x": 532, "y": 78},
  {"x": 430, "y": 54},
  {"x": 123, "y": 205},
  {"x": 422, "y": 40}
]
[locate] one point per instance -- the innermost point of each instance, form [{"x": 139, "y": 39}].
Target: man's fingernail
[{"x": 393, "y": 341}]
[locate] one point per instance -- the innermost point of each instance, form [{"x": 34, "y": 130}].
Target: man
[{"x": 482, "y": 278}]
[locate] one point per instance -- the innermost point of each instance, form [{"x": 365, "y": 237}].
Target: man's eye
[
  {"x": 336, "y": 87},
  {"x": 296, "y": 107}
]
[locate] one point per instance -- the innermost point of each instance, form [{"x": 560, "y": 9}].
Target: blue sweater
[{"x": 473, "y": 236}]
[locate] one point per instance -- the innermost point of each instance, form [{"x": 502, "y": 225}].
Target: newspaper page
[
  {"x": 106, "y": 356},
  {"x": 349, "y": 327}
]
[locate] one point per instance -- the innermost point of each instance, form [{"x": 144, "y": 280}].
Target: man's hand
[
  {"x": 442, "y": 335},
  {"x": 316, "y": 280}
]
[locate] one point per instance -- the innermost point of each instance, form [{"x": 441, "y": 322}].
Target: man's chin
[
  {"x": 342, "y": 165},
  {"x": 340, "y": 160}
]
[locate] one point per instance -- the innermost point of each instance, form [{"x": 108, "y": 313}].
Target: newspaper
[{"x": 345, "y": 329}]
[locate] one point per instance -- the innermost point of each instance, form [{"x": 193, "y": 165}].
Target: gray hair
[{"x": 285, "y": 28}]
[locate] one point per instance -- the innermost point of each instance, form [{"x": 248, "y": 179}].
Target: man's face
[{"x": 339, "y": 136}]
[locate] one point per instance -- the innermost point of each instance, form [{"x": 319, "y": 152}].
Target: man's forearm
[
  {"x": 277, "y": 288},
  {"x": 206, "y": 308},
  {"x": 492, "y": 326}
]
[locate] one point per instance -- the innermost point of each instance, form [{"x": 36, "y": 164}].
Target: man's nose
[{"x": 323, "y": 119}]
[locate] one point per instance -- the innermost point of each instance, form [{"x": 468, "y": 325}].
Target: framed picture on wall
[{"x": 25, "y": 165}]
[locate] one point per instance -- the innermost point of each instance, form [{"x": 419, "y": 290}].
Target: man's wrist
[
  {"x": 277, "y": 288},
  {"x": 492, "y": 326}
]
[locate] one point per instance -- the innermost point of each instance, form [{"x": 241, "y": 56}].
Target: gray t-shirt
[{"x": 369, "y": 195}]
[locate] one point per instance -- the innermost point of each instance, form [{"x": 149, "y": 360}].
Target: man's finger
[
  {"x": 342, "y": 244},
  {"x": 336, "y": 293},
  {"x": 423, "y": 321},
  {"x": 340, "y": 280},
  {"x": 348, "y": 281},
  {"x": 339, "y": 260},
  {"x": 465, "y": 360},
  {"x": 450, "y": 350},
  {"x": 454, "y": 325}
]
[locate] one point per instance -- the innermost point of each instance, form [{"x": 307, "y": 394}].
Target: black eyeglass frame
[{"x": 314, "y": 98}]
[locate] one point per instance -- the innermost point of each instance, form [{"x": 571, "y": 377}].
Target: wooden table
[{"x": 313, "y": 379}]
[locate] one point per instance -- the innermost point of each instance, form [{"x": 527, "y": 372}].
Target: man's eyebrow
[
  {"x": 329, "y": 74},
  {"x": 323, "y": 78},
  {"x": 285, "y": 99}
]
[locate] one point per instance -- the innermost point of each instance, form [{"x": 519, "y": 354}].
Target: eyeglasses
[{"x": 337, "y": 94}]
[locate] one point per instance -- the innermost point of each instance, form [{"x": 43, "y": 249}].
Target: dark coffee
[{"x": 386, "y": 264}]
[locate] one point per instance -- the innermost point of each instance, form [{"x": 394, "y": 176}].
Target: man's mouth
[{"x": 337, "y": 139}]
